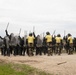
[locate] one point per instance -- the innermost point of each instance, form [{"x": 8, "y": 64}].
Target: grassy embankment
[{"x": 19, "y": 69}]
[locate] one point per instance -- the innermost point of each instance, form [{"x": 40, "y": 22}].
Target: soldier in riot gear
[
  {"x": 48, "y": 38},
  {"x": 7, "y": 44},
  {"x": 30, "y": 40},
  {"x": 20, "y": 43},
  {"x": 24, "y": 45},
  {"x": 58, "y": 44},
  {"x": 44, "y": 46},
  {"x": 70, "y": 43},
  {"x": 2, "y": 45},
  {"x": 39, "y": 45},
  {"x": 12, "y": 41},
  {"x": 53, "y": 44},
  {"x": 17, "y": 50},
  {"x": 74, "y": 44}
]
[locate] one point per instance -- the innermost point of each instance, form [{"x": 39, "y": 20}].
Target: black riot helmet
[
  {"x": 69, "y": 34},
  {"x": 58, "y": 35},
  {"x": 30, "y": 34},
  {"x": 47, "y": 33}
]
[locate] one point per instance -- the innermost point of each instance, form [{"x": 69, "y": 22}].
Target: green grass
[{"x": 19, "y": 69}]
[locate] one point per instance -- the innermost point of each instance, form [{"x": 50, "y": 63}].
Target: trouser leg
[{"x": 8, "y": 52}]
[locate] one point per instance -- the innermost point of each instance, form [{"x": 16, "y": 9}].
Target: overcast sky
[{"x": 45, "y": 15}]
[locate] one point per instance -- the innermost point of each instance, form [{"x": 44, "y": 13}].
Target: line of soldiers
[{"x": 35, "y": 45}]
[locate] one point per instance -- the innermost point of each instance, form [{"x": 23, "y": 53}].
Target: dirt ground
[{"x": 57, "y": 65}]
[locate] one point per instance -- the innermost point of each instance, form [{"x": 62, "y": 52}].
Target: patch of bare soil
[
  {"x": 2, "y": 61},
  {"x": 57, "y": 65}
]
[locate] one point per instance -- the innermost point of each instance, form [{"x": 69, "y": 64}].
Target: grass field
[{"x": 19, "y": 69}]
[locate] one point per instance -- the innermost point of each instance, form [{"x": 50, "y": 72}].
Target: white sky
[{"x": 45, "y": 15}]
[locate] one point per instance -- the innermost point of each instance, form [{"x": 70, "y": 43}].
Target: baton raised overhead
[
  {"x": 20, "y": 31},
  {"x": 43, "y": 34},
  {"x": 33, "y": 28},
  {"x": 54, "y": 32},
  {"x": 64, "y": 32},
  {"x": 7, "y": 26},
  {"x": 25, "y": 32}
]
